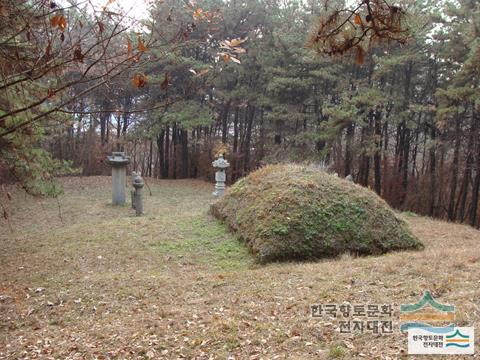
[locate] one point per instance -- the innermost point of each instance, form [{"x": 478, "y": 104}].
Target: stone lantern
[
  {"x": 220, "y": 166},
  {"x": 119, "y": 162}
]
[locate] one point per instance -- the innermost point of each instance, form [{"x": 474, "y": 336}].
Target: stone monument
[
  {"x": 138, "y": 184},
  {"x": 220, "y": 166},
  {"x": 132, "y": 192},
  {"x": 119, "y": 161}
]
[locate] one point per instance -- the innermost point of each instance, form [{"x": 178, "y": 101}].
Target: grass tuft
[{"x": 337, "y": 352}]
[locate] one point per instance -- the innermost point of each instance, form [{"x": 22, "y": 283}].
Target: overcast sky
[{"x": 135, "y": 8}]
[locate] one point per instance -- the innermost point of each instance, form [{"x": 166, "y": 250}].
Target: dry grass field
[{"x": 80, "y": 279}]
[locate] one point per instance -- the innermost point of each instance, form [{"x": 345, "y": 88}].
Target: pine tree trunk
[
  {"x": 348, "y": 150},
  {"x": 248, "y": 138},
  {"x": 235, "y": 145},
  {"x": 167, "y": 153},
  {"x": 261, "y": 142},
  {"x": 475, "y": 194},
  {"x": 454, "y": 178},
  {"x": 184, "y": 141},
  {"x": 476, "y": 182},
  {"x": 433, "y": 175},
  {"x": 405, "y": 161},
  {"x": 378, "y": 152},
  {"x": 462, "y": 196},
  {"x": 150, "y": 158},
  {"x": 224, "y": 117},
  {"x": 174, "y": 150}
]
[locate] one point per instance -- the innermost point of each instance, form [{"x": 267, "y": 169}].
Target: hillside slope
[{"x": 82, "y": 279}]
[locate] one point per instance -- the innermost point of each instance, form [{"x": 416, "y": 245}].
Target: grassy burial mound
[{"x": 292, "y": 212}]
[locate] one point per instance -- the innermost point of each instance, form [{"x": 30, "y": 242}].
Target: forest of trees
[{"x": 247, "y": 78}]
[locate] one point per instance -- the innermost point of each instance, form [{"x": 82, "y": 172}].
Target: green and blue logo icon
[
  {"x": 426, "y": 310},
  {"x": 458, "y": 339},
  {"x": 425, "y": 338}
]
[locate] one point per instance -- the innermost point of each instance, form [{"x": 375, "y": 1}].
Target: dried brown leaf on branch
[
  {"x": 139, "y": 80},
  {"x": 129, "y": 47},
  {"x": 77, "y": 54},
  {"x": 360, "y": 55},
  {"x": 357, "y": 28},
  {"x": 48, "y": 49},
  {"x": 232, "y": 46},
  {"x": 58, "y": 21},
  {"x": 239, "y": 50},
  {"x": 358, "y": 19},
  {"x": 141, "y": 46},
  {"x": 225, "y": 57},
  {"x": 201, "y": 15},
  {"x": 54, "y": 21},
  {"x": 202, "y": 72},
  {"x": 109, "y": 2},
  {"x": 197, "y": 14},
  {"x": 62, "y": 24},
  {"x": 199, "y": 73},
  {"x": 236, "y": 42}
]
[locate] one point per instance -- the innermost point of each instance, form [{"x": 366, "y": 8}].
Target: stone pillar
[
  {"x": 138, "y": 184},
  {"x": 220, "y": 178},
  {"x": 220, "y": 166},
  {"x": 132, "y": 192},
  {"x": 119, "y": 162}
]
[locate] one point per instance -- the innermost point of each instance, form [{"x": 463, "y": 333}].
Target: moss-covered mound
[{"x": 291, "y": 212}]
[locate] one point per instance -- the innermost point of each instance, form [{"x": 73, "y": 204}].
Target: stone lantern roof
[
  {"x": 118, "y": 158},
  {"x": 220, "y": 163}
]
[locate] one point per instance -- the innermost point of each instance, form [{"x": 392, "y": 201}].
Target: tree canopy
[{"x": 383, "y": 91}]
